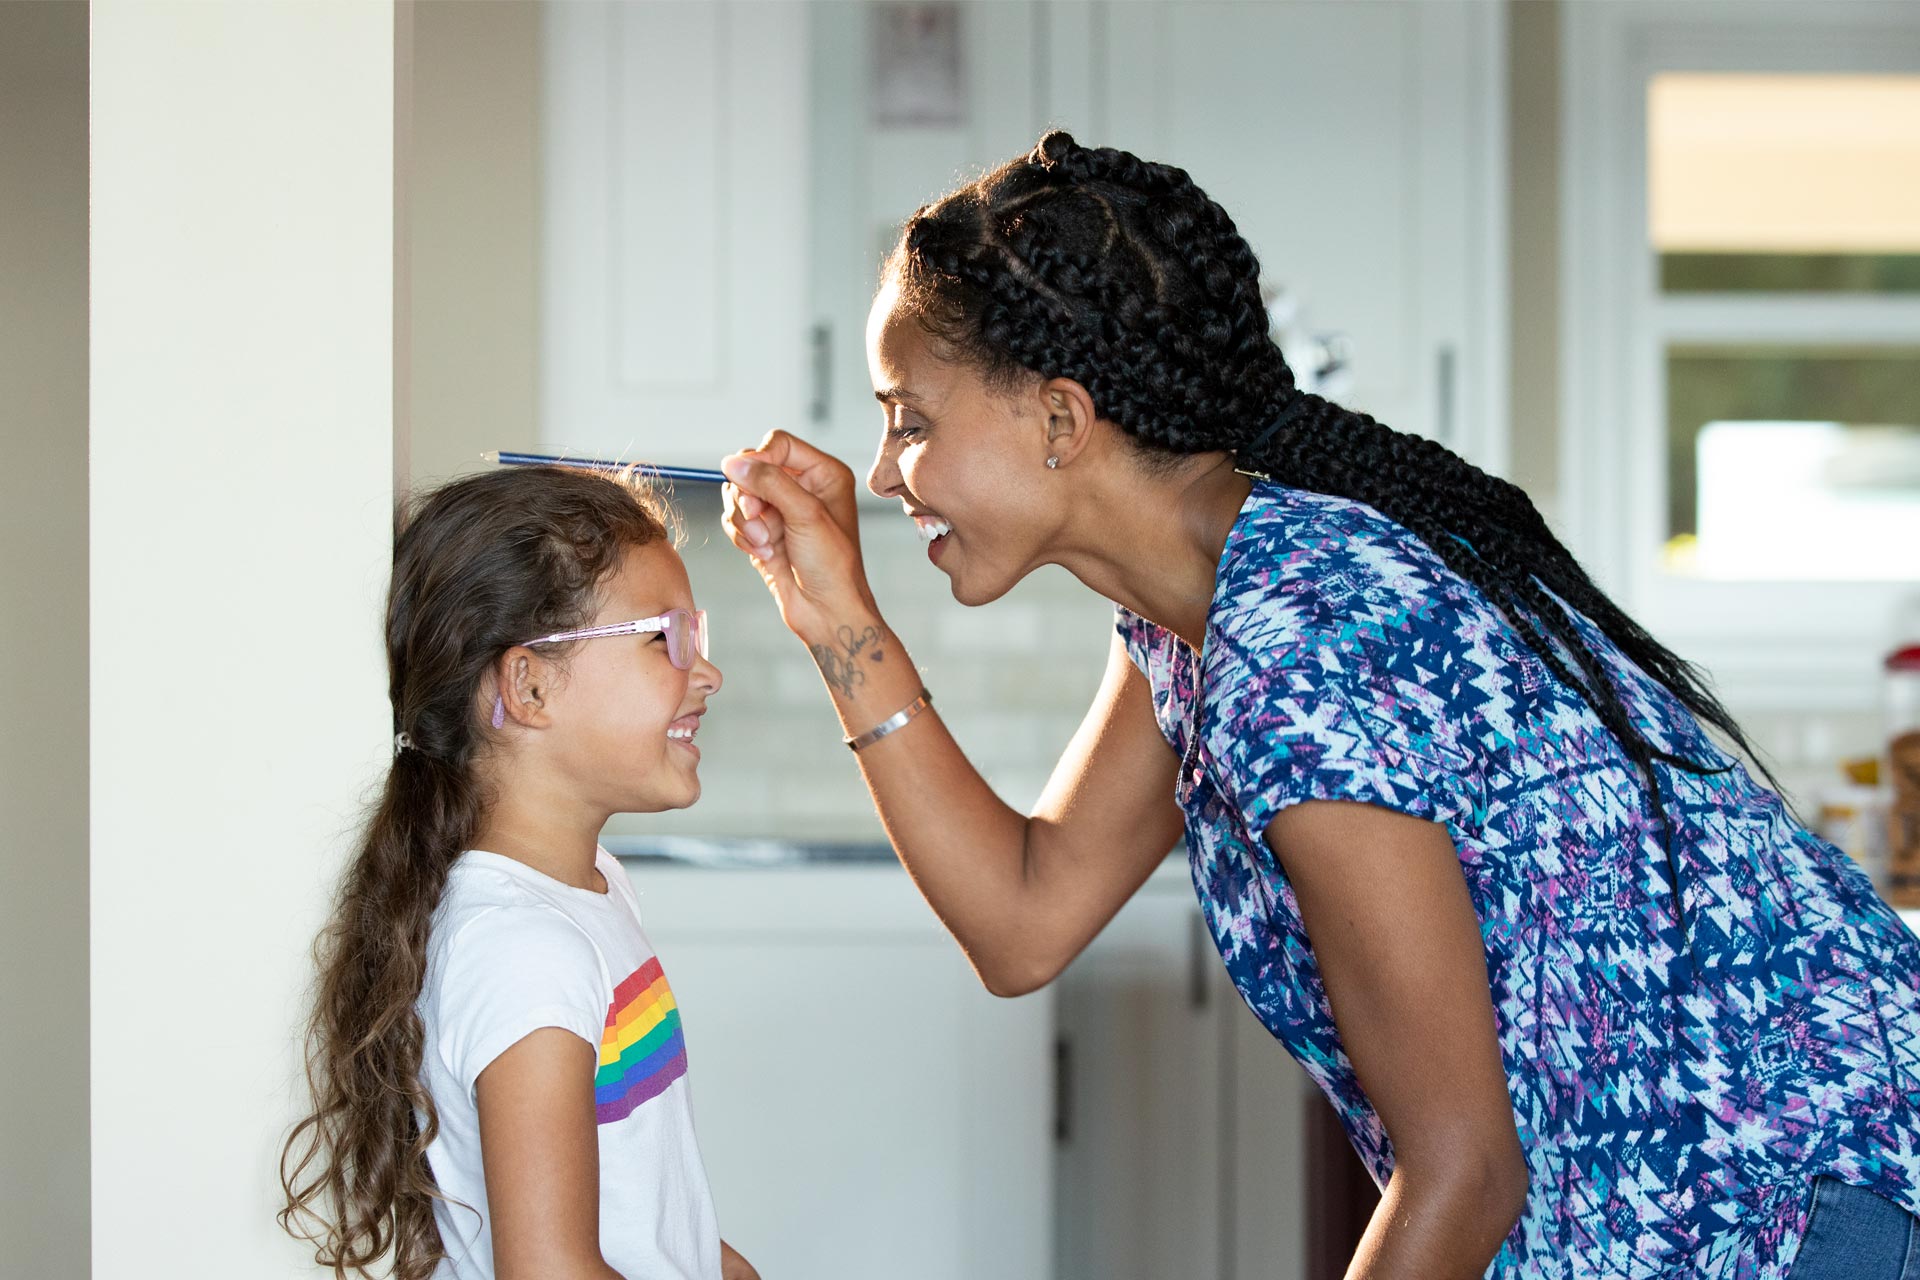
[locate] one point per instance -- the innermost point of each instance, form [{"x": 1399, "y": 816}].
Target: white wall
[
  {"x": 242, "y": 421},
  {"x": 474, "y": 170},
  {"x": 473, "y": 191},
  {"x": 43, "y": 648},
  {"x": 1533, "y": 133}
]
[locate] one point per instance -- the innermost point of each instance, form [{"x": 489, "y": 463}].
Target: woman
[{"x": 1589, "y": 1001}]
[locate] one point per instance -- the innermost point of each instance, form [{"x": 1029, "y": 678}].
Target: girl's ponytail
[
  {"x": 355, "y": 1171},
  {"x": 479, "y": 565}
]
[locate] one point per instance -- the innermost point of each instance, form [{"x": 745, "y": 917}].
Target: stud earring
[
  {"x": 1053, "y": 464},
  {"x": 499, "y": 711}
]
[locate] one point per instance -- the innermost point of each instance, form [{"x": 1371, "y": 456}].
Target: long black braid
[{"x": 1092, "y": 264}]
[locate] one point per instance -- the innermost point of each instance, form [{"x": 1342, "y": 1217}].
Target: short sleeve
[
  {"x": 1131, "y": 628},
  {"x": 1322, "y": 722},
  {"x": 508, "y": 972}
]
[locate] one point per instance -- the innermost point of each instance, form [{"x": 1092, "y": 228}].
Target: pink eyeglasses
[{"x": 685, "y": 629}]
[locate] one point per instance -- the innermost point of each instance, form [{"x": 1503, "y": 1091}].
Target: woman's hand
[
  {"x": 793, "y": 510},
  {"x": 733, "y": 1266}
]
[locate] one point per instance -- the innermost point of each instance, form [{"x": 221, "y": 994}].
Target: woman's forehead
[{"x": 896, "y": 345}]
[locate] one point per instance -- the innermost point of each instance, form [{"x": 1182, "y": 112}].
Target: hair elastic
[
  {"x": 401, "y": 742},
  {"x": 1293, "y": 409}
]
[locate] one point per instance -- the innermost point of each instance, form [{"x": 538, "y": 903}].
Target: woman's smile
[{"x": 934, "y": 531}]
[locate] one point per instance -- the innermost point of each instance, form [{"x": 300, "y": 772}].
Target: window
[
  {"x": 1796, "y": 458},
  {"x": 1741, "y": 332},
  {"x": 1790, "y": 461}
]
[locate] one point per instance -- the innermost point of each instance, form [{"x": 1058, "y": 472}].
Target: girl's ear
[{"x": 522, "y": 683}]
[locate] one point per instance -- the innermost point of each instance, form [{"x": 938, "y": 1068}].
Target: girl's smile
[{"x": 683, "y": 729}]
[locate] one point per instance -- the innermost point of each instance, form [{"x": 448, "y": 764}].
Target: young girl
[{"x": 499, "y": 1075}]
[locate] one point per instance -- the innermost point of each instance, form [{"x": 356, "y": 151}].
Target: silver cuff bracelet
[{"x": 891, "y": 723}]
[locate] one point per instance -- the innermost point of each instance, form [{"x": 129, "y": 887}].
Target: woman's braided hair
[{"x": 1092, "y": 264}]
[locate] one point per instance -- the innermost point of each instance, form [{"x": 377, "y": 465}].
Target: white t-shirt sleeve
[{"x": 508, "y": 972}]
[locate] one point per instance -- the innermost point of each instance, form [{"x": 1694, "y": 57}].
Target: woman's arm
[
  {"x": 1022, "y": 894},
  {"x": 1399, "y": 949},
  {"x": 540, "y": 1147}
]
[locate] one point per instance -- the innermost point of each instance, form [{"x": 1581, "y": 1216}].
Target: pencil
[{"x": 699, "y": 474}]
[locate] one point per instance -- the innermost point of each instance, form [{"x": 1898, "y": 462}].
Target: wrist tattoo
[{"x": 840, "y": 665}]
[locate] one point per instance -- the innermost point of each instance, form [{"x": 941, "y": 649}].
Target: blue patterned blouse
[{"x": 1674, "y": 1094}]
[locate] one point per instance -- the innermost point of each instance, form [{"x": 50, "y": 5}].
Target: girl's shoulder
[
  {"x": 475, "y": 886},
  {"x": 487, "y": 908},
  {"x": 495, "y": 944},
  {"x": 499, "y": 967}
]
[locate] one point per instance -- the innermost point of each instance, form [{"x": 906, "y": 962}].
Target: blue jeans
[{"x": 1854, "y": 1234}]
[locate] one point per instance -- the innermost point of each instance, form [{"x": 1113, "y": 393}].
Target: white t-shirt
[{"x": 512, "y": 950}]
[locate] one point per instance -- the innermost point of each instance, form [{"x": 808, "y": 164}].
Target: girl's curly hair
[{"x": 479, "y": 565}]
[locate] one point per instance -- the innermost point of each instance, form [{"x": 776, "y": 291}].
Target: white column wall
[
  {"x": 43, "y": 639},
  {"x": 242, "y": 472}
]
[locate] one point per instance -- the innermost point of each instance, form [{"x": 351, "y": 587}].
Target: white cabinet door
[
  {"x": 1179, "y": 1145},
  {"x": 674, "y": 227},
  {"x": 1266, "y": 1150},
  {"x": 870, "y": 176},
  {"x": 865, "y": 1109},
  {"x": 1360, "y": 149},
  {"x": 1139, "y": 1156}
]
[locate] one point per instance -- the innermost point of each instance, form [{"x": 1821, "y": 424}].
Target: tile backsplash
[
  {"x": 1804, "y": 749},
  {"x": 1012, "y": 682}
]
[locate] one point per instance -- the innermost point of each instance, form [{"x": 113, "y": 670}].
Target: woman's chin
[{"x": 974, "y": 590}]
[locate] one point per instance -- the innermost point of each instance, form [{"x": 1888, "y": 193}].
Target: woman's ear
[{"x": 1070, "y": 416}]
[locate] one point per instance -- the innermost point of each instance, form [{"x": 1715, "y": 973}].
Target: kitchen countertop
[
  {"x": 738, "y": 852},
  {"x": 745, "y": 853}
]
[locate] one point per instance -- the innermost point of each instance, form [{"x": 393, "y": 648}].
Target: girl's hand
[
  {"x": 792, "y": 509},
  {"x": 733, "y": 1266}
]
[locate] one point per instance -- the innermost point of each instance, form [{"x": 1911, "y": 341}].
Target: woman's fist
[{"x": 793, "y": 509}]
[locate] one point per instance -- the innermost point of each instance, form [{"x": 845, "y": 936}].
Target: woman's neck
[{"x": 1152, "y": 543}]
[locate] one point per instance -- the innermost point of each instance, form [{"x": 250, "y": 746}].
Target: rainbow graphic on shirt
[{"x": 642, "y": 1051}]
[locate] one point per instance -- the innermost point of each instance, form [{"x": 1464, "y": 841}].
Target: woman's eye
[{"x": 900, "y": 427}]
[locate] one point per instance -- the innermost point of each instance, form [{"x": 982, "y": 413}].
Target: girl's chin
[
  {"x": 673, "y": 782},
  {"x": 667, "y": 799}
]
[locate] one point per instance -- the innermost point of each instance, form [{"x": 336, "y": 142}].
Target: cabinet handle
[
  {"x": 820, "y": 341},
  {"x": 1199, "y": 962},
  {"x": 1062, "y": 1091},
  {"x": 1443, "y": 390}
]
